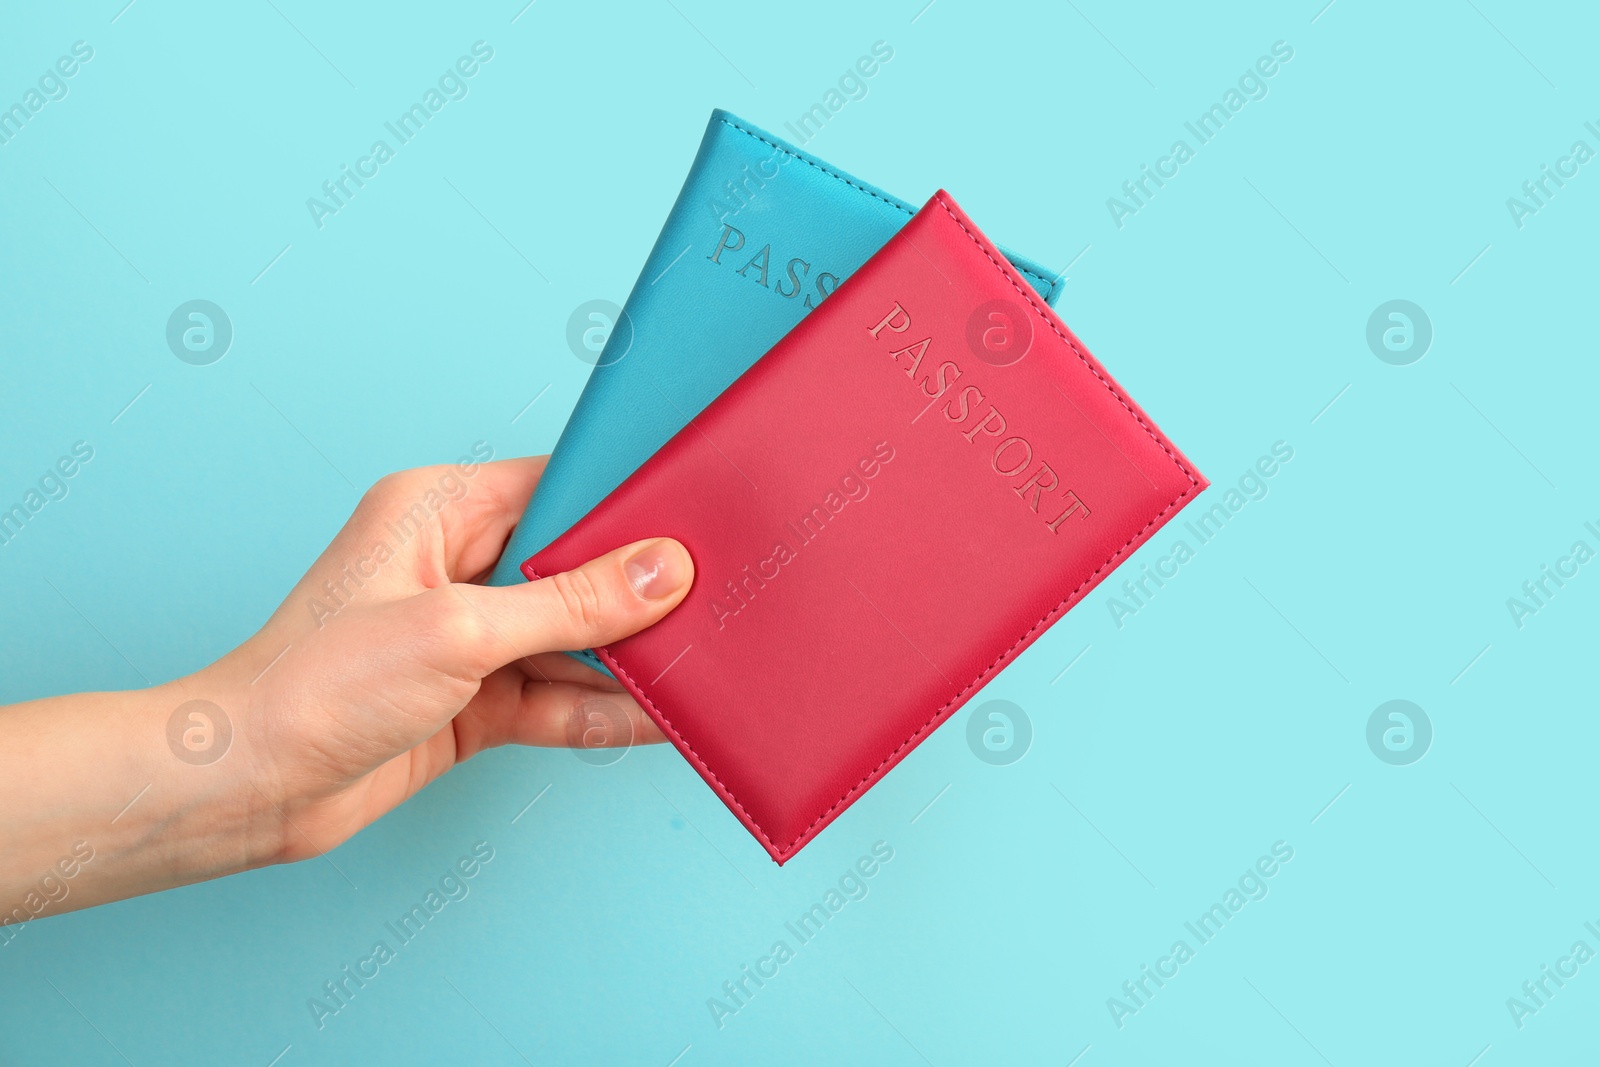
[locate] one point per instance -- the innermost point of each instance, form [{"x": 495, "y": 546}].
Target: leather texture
[
  {"x": 760, "y": 231},
  {"x": 884, "y": 511}
]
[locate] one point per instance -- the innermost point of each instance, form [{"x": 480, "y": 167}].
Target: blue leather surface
[{"x": 708, "y": 303}]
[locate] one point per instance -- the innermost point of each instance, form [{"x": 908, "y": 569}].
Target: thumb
[{"x": 599, "y": 602}]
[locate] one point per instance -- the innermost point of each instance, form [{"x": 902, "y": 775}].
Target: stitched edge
[
  {"x": 1111, "y": 386},
  {"x": 839, "y": 176},
  {"x": 939, "y": 715}
]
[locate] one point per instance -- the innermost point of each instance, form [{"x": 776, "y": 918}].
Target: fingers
[
  {"x": 451, "y": 519},
  {"x": 482, "y": 628},
  {"x": 477, "y": 528},
  {"x": 512, "y": 710},
  {"x": 560, "y": 667}
]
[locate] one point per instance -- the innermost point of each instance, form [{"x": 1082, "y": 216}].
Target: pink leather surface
[{"x": 878, "y": 525}]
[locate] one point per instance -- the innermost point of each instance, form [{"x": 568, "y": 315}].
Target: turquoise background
[{"x": 1228, "y": 714}]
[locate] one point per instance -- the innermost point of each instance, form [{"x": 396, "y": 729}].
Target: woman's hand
[{"x": 387, "y": 665}]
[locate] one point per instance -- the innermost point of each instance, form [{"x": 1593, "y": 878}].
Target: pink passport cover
[{"x": 885, "y": 510}]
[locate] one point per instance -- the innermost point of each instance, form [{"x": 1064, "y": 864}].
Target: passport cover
[
  {"x": 883, "y": 512},
  {"x": 759, "y": 234}
]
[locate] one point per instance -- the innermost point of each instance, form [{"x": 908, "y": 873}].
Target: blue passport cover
[{"x": 760, "y": 233}]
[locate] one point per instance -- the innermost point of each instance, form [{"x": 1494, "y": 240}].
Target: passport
[{"x": 884, "y": 510}]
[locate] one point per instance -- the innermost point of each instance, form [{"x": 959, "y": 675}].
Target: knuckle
[
  {"x": 580, "y": 598},
  {"x": 385, "y": 491},
  {"x": 454, "y": 621},
  {"x": 402, "y": 488}
]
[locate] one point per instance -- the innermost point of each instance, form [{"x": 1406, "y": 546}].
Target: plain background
[{"x": 1229, "y": 713}]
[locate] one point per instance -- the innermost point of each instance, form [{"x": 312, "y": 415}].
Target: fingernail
[{"x": 658, "y": 570}]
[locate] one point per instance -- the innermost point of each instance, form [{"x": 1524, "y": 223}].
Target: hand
[
  {"x": 421, "y": 668},
  {"x": 387, "y": 665}
]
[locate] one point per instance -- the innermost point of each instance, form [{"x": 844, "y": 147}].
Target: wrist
[
  {"x": 108, "y": 786},
  {"x": 221, "y": 805}
]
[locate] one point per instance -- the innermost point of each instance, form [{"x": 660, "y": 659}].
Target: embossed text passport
[{"x": 891, "y": 504}]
